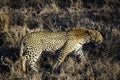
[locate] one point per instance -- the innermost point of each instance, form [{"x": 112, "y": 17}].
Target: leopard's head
[{"x": 95, "y": 36}]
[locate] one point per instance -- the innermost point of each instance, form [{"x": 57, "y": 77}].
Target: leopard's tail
[{"x": 6, "y": 61}]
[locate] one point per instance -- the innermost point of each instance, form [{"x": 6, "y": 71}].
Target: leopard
[{"x": 33, "y": 44}]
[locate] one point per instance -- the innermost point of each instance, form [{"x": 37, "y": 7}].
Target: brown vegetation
[{"x": 19, "y": 17}]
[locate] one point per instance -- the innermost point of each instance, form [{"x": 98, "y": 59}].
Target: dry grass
[{"x": 20, "y": 17}]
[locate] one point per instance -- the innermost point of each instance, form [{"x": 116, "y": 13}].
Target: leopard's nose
[{"x": 99, "y": 42}]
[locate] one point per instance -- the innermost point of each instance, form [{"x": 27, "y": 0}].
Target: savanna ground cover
[{"x": 19, "y": 17}]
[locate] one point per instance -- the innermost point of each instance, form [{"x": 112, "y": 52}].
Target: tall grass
[{"x": 20, "y": 17}]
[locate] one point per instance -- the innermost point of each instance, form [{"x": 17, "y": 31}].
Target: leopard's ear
[{"x": 89, "y": 32}]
